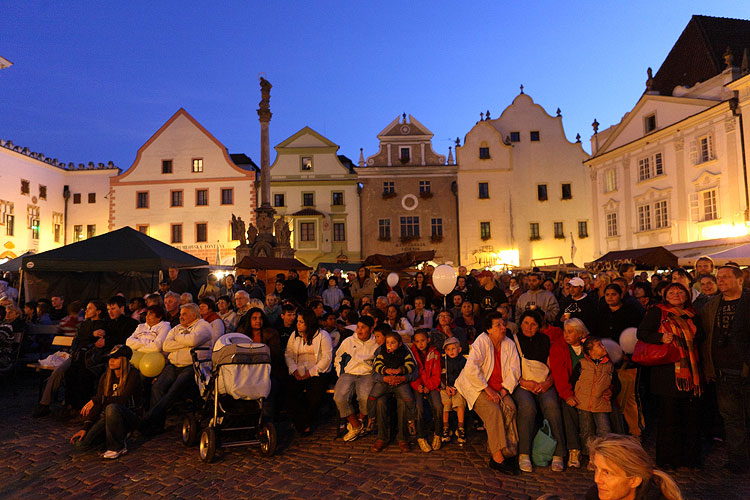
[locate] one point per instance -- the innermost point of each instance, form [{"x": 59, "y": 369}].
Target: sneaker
[
  {"x": 378, "y": 446},
  {"x": 574, "y": 459},
  {"x": 524, "y": 463},
  {"x": 40, "y": 411},
  {"x": 460, "y": 436},
  {"x": 412, "y": 428},
  {"x": 437, "y": 442},
  {"x": 112, "y": 454},
  {"x": 557, "y": 464},
  {"x": 446, "y": 434},
  {"x": 352, "y": 432},
  {"x": 424, "y": 445}
]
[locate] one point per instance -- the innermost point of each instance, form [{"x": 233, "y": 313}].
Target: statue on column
[
  {"x": 238, "y": 229},
  {"x": 282, "y": 233},
  {"x": 252, "y": 234}
]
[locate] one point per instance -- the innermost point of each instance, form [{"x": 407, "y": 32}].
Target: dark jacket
[
  {"x": 118, "y": 330},
  {"x": 611, "y": 323},
  {"x": 583, "y": 309},
  {"x": 739, "y": 336},
  {"x": 129, "y": 396}
]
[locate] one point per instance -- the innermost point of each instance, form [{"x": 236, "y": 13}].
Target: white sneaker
[
  {"x": 424, "y": 445},
  {"x": 524, "y": 463},
  {"x": 352, "y": 432},
  {"x": 574, "y": 459},
  {"x": 112, "y": 454},
  {"x": 437, "y": 442}
]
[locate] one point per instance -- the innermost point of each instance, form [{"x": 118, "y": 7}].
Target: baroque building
[
  {"x": 673, "y": 170},
  {"x": 523, "y": 192},
  {"x": 183, "y": 189},
  {"x": 408, "y": 194}
]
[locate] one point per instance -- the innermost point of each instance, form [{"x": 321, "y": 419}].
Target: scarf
[{"x": 679, "y": 323}]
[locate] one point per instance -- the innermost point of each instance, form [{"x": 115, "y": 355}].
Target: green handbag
[{"x": 543, "y": 447}]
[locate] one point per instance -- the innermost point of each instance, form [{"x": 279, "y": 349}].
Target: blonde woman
[{"x": 624, "y": 471}]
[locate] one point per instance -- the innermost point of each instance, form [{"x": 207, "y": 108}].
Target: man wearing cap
[
  {"x": 579, "y": 305},
  {"x": 487, "y": 296},
  {"x": 177, "y": 377},
  {"x": 537, "y": 298}
]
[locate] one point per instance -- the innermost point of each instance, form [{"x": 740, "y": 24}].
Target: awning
[
  {"x": 688, "y": 253},
  {"x": 400, "y": 260},
  {"x": 643, "y": 258},
  {"x": 14, "y": 265}
]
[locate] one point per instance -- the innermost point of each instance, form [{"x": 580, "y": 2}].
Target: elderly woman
[
  {"x": 486, "y": 383},
  {"x": 536, "y": 389},
  {"x": 564, "y": 355},
  {"x": 678, "y": 384},
  {"x": 227, "y": 315},
  {"x": 362, "y": 286},
  {"x": 209, "y": 312},
  {"x": 446, "y": 329},
  {"x": 469, "y": 321}
]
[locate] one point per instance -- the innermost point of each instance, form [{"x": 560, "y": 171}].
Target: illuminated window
[{"x": 197, "y": 165}]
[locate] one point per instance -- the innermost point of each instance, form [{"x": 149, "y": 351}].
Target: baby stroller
[{"x": 233, "y": 391}]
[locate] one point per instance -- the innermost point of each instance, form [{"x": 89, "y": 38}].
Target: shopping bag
[{"x": 543, "y": 447}]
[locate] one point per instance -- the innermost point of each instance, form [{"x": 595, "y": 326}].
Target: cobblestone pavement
[{"x": 36, "y": 461}]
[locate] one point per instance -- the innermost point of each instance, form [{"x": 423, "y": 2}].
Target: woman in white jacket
[
  {"x": 487, "y": 387},
  {"x": 309, "y": 354},
  {"x": 149, "y": 336}
]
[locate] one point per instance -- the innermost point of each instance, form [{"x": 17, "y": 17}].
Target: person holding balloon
[
  {"x": 149, "y": 336},
  {"x": 176, "y": 376}
]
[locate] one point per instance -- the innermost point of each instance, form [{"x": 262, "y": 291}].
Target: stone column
[{"x": 264, "y": 116}]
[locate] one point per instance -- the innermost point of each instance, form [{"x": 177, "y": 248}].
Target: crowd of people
[{"x": 506, "y": 353}]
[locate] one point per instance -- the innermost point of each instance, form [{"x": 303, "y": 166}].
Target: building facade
[
  {"x": 183, "y": 188},
  {"x": 674, "y": 170},
  {"x": 408, "y": 195},
  {"x": 315, "y": 191},
  {"x": 523, "y": 191}
]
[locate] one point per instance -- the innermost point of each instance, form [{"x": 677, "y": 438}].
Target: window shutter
[
  {"x": 709, "y": 139},
  {"x": 694, "y": 152},
  {"x": 694, "y": 208}
]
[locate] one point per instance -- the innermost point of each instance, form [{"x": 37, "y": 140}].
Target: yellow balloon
[
  {"x": 151, "y": 364},
  {"x": 136, "y": 359}
]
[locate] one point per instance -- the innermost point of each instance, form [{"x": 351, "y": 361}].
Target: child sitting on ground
[
  {"x": 453, "y": 363},
  {"x": 427, "y": 386},
  {"x": 592, "y": 379},
  {"x": 393, "y": 364}
]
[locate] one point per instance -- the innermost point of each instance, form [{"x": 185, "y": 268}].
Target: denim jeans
[
  {"x": 733, "y": 395},
  {"x": 570, "y": 421},
  {"x": 346, "y": 386},
  {"x": 527, "y": 402},
  {"x": 592, "y": 424},
  {"x": 113, "y": 426},
  {"x": 172, "y": 384},
  {"x": 406, "y": 410},
  {"x": 432, "y": 399}
]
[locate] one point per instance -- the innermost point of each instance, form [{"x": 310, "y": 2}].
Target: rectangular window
[
  {"x": 484, "y": 230},
  {"x": 35, "y": 229},
  {"x": 650, "y": 166},
  {"x": 201, "y": 197},
  {"x": 389, "y": 187},
  {"x": 515, "y": 137},
  {"x": 644, "y": 217},
  {"x": 437, "y": 227},
  {"x": 661, "y": 217},
  {"x": 10, "y": 224},
  {"x": 384, "y": 229},
  {"x": 77, "y": 233},
  {"x": 227, "y": 196},
  {"x": 42, "y": 192},
  {"x": 278, "y": 200},
  {"x": 610, "y": 180},
  {"x": 541, "y": 192},
  {"x": 57, "y": 233},
  {"x": 90, "y": 230},
  {"x": 404, "y": 155},
  {"x": 201, "y": 232},
  {"x": 410, "y": 226},
  {"x": 197, "y": 165},
  {"x": 175, "y": 198},
  {"x": 705, "y": 149},
  {"x": 166, "y": 166},
  {"x": 484, "y": 153},
  {"x": 76, "y": 198},
  {"x": 644, "y": 169},
  {"x": 339, "y": 231},
  {"x": 649, "y": 123},
  {"x": 534, "y": 136},
  {"x": 534, "y": 231},
  {"x": 25, "y": 187},
  {"x": 92, "y": 197},
  {"x": 583, "y": 229},
  {"x": 176, "y": 233},
  {"x": 424, "y": 187},
  {"x": 306, "y": 163},
  {"x": 484, "y": 190},
  {"x": 559, "y": 231},
  {"x": 141, "y": 199},
  {"x": 709, "y": 205},
  {"x": 143, "y": 228},
  {"x": 308, "y": 199},
  {"x": 611, "y": 224},
  {"x": 658, "y": 165},
  {"x": 307, "y": 231},
  {"x": 567, "y": 193},
  {"x": 337, "y": 198}
]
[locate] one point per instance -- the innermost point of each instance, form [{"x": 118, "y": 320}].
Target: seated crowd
[{"x": 505, "y": 353}]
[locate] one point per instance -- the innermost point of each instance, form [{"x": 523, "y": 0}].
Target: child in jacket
[
  {"x": 427, "y": 387},
  {"x": 451, "y": 399},
  {"x": 592, "y": 379}
]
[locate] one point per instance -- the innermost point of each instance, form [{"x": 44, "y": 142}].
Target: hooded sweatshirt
[{"x": 355, "y": 356}]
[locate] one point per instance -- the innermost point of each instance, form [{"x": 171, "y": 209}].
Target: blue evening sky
[{"x": 92, "y": 81}]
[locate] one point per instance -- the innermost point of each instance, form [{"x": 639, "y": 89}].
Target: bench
[{"x": 59, "y": 341}]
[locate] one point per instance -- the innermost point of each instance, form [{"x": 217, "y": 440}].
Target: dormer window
[
  {"x": 404, "y": 155},
  {"x": 484, "y": 153},
  {"x": 649, "y": 123},
  {"x": 306, "y": 163}
]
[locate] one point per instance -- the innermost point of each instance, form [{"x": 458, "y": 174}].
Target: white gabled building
[{"x": 674, "y": 169}]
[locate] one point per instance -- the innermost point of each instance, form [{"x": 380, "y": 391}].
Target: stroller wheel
[
  {"x": 190, "y": 430},
  {"x": 208, "y": 445},
  {"x": 267, "y": 438}
]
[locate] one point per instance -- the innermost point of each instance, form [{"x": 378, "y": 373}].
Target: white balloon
[
  {"x": 392, "y": 280},
  {"x": 628, "y": 338},
  {"x": 444, "y": 278},
  {"x": 613, "y": 350}
]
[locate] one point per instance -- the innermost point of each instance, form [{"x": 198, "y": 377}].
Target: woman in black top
[
  {"x": 419, "y": 289},
  {"x": 615, "y": 315}
]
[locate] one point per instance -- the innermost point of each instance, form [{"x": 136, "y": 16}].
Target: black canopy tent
[
  {"x": 643, "y": 258},
  {"x": 124, "y": 260}
]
